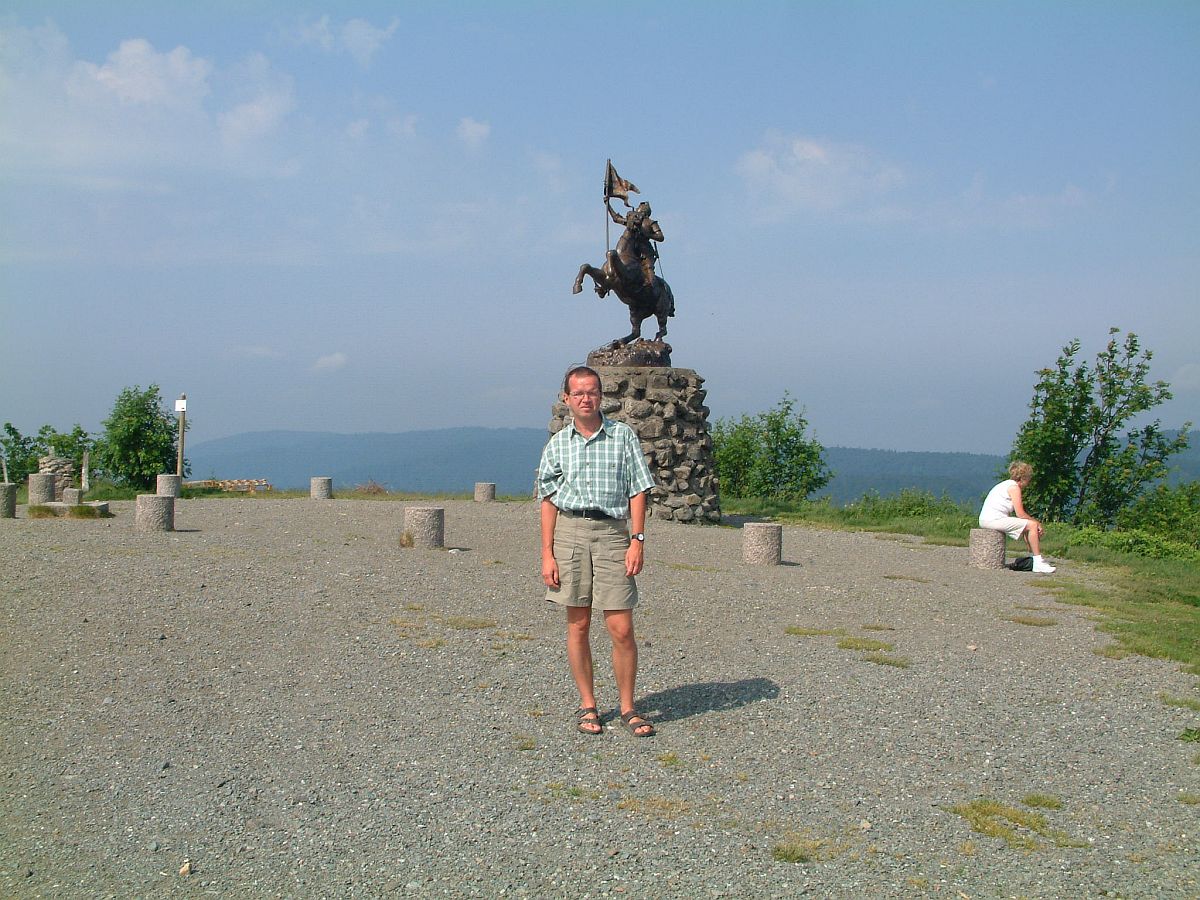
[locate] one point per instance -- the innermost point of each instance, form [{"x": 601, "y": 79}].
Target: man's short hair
[{"x": 579, "y": 372}]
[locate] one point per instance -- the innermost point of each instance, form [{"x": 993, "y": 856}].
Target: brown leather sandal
[
  {"x": 588, "y": 715},
  {"x": 635, "y": 728}
]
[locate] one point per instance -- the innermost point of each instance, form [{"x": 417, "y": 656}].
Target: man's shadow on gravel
[{"x": 710, "y": 696}]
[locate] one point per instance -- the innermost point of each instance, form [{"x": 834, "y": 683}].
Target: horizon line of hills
[{"x": 451, "y": 460}]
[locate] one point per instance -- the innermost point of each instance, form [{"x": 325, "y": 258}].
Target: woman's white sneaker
[{"x": 1044, "y": 567}]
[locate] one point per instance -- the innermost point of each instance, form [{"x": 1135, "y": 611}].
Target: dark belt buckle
[{"x": 596, "y": 514}]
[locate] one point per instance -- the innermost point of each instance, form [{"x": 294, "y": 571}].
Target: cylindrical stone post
[
  {"x": 154, "y": 512},
  {"x": 426, "y": 525},
  {"x": 41, "y": 488},
  {"x": 8, "y": 500},
  {"x": 762, "y": 543},
  {"x": 169, "y": 486},
  {"x": 485, "y": 491},
  {"x": 320, "y": 489},
  {"x": 72, "y": 496},
  {"x": 986, "y": 548}
]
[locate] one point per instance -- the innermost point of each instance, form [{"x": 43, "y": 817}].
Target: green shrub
[
  {"x": 1136, "y": 541},
  {"x": 1171, "y": 512}
]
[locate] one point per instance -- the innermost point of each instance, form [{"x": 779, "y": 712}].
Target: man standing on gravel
[{"x": 592, "y": 482}]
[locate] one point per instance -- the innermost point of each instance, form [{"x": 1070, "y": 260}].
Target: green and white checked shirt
[{"x": 601, "y": 472}]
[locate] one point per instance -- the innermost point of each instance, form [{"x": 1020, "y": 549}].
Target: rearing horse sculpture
[{"x": 628, "y": 272}]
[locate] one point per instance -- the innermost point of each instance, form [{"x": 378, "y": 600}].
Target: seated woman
[{"x": 1004, "y": 511}]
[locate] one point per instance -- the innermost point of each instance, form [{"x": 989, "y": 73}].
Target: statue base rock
[
  {"x": 636, "y": 353},
  {"x": 665, "y": 408}
]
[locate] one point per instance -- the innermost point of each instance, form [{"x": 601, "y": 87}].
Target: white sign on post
[{"x": 181, "y": 405}]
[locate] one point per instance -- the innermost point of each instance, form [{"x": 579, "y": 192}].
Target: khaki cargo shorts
[{"x": 591, "y": 564}]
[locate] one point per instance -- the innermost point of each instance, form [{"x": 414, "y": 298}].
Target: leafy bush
[
  {"x": 139, "y": 438},
  {"x": 1136, "y": 541},
  {"x": 768, "y": 456},
  {"x": 1170, "y": 512}
]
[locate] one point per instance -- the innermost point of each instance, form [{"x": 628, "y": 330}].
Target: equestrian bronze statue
[{"x": 628, "y": 271}]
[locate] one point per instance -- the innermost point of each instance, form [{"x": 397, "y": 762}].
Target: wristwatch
[{"x": 640, "y": 536}]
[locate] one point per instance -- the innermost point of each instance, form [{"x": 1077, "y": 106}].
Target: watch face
[{"x": 639, "y": 537}]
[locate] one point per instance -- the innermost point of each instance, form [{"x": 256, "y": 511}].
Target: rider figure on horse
[{"x": 643, "y": 231}]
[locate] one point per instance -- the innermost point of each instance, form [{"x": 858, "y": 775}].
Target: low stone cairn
[
  {"x": 985, "y": 548},
  {"x": 424, "y": 526},
  {"x": 762, "y": 543},
  {"x": 63, "y": 471},
  {"x": 154, "y": 512}
]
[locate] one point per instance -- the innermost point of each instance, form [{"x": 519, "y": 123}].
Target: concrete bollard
[
  {"x": 72, "y": 496},
  {"x": 154, "y": 512},
  {"x": 169, "y": 486},
  {"x": 985, "y": 548},
  {"x": 426, "y": 525},
  {"x": 41, "y": 488},
  {"x": 762, "y": 543},
  {"x": 485, "y": 491},
  {"x": 8, "y": 500},
  {"x": 320, "y": 489}
]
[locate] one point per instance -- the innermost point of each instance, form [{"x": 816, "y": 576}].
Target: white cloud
[
  {"x": 330, "y": 363},
  {"x": 136, "y": 73},
  {"x": 270, "y": 100},
  {"x": 792, "y": 174},
  {"x": 361, "y": 39},
  {"x": 473, "y": 133},
  {"x": 357, "y": 37}
]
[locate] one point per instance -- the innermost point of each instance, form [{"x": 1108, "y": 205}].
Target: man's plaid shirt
[{"x": 601, "y": 472}]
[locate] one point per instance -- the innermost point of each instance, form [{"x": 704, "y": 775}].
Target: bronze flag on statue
[{"x": 616, "y": 186}]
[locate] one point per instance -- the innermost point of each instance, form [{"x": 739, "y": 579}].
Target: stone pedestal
[
  {"x": 320, "y": 488},
  {"x": 665, "y": 408},
  {"x": 154, "y": 512},
  {"x": 72, "y": 496},
  {"x": 426, "y": 525},
  {"x": 485, "y": 491},
  {"x": 169, "y": 486},
  {"x": 8, "y": 500},
  {"x": 762, "y": 543},
  {"x": 41, "y": 488},
  {"x": 986, "y": 548}
]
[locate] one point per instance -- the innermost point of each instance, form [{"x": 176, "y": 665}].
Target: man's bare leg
[
  {"x": 579, "y": 656},
  {"x": 625, "y": 658}
]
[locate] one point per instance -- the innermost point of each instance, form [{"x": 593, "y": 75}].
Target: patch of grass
[
  {"x": 871, "y": 626},
  {"x": 466, "y": 623},
  {"x": 414, "y": 607},
  {"x": 858, "y": 643},
  {"x": 431, "y": 643},
  {"x": 1190, "y": 735},
  {"x": 37, "y": 511},
  {"x": 1189, "y": 799},
  {"x": 915, "y": 578},
  {"x": 1034, "y": 621},
  {"x": 655, "y": 807},
  {"x": 524, "y": 742},
  {"x": 882, "y": 659},
  {"x": 1000, "y": 820},
  {"x": 801, "y": 631},
  {"x": 407, "y": 540},
  {"x": 1042, "y": 801},
  {"x": 1180, "y": 702},
  {"x": 684, "y": 567},
  {"x": 87, "y": 512},
  {"x": 670, "y": 759},
  {"x": 803, "y": 846},
  {"x": 371, "y": 488}
]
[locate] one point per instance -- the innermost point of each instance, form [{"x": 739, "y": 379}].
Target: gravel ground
[{"x": 282, "y": 696}]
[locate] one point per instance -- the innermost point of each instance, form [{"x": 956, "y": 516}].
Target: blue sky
[{"x": 367, "y": 216}]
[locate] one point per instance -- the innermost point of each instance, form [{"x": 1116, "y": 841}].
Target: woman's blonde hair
[{"x": 1020, "y": 471}]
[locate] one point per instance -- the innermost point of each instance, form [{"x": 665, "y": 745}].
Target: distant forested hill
[{"x": 453, "y": 459}]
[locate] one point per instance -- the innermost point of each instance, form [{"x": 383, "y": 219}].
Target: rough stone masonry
[{"x": 665, "y": 407}]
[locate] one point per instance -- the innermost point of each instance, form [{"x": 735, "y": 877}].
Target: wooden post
[
  {"x": 85, "y": 477},
  {"x": 181, "y": 406}
]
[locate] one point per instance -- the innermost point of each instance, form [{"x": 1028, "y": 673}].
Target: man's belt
[{"x": 585, "y": 513}]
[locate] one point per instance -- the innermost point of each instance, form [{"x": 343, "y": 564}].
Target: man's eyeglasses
[{"x": 579, "y": 395}]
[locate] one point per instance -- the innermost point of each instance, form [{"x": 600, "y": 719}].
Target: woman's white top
[{"x": 998, "y": 504}]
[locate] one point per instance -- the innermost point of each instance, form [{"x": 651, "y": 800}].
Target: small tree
[
  {"x": 767, "y": 456},
  {"x": 139, "y": 437},
  {"x": 1085, "y": 470},
  {"x": 20, "y": 453}
]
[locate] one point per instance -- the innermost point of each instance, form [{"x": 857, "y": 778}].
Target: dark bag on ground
[{"x": 1022, "y": 564}]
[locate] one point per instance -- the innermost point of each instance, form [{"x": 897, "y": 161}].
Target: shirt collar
[{"x": 604, "y": 421}]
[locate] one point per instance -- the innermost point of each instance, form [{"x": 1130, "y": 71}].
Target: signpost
[{"x": 181, "y": 408}]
